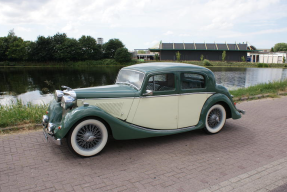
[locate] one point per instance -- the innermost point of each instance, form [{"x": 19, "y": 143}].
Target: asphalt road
[{"x": 249, "y": 154}]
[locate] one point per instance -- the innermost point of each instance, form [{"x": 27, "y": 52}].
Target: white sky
[{"x": 143, "y": 23}]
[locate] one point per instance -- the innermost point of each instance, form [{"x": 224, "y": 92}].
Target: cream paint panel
[
  {"x": 119, "y": 107},
  {"x": 133, "y": 110},
  {"x": 159, "y": 112},
  {"x": 189, "y": 109}
]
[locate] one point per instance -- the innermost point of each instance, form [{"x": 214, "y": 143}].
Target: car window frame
[
  {"x": 158, "y": 93},
  {"x": 191, "y": 90}
]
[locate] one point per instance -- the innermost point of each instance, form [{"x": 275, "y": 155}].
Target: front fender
[
  {"x": 219, "y": 98},
  {"x": 73, "y": 116}
]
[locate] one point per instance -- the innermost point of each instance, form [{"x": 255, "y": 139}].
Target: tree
[
  {"x": 271, "y": 50},
  {"x": 3, "y": 48},
  {"x": 280, "y": 47},
  {"x": 17, "y": 50},
  {"x": 43, "y": 49},
  {"x": 201, "y": 57},
  {"x": 89, "y": 48},
  {"x": 223, "y": 56},
  {"x": 243, "y": 59},
  {"x": 111, "y": 47},
  {"x": 178, "y": 56},
  {"x": 284, "y": 59},
  {"x": 122, "y": 55},
  {"x": 69, "y": 51}
]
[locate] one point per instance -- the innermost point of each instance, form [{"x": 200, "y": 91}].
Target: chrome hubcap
[
  {"x": 88, "y": 137},
  {"x": 214, "y": 118}
]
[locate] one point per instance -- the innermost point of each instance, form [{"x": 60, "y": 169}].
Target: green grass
[
  {"x": 18, "y": 114},
  {"x": 267, "y": 88}
]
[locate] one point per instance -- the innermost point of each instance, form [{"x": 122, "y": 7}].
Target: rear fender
[{"x": 222, "y": 99}]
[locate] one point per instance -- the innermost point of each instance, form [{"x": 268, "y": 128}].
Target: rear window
[{"x": 192, "y": 81}]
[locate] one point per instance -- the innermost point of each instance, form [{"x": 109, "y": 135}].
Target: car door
[
  {"x": 158, "y": 110},
  {"x": 192, "y": 98}
]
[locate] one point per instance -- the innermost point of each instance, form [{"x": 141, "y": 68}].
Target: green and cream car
[{"x": 147, "y": 100}]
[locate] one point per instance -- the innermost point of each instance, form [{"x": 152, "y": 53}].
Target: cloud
[
  {"x": 146, "y": 19},
  {"x": 168, "y": 33},
  {"x": 154, "y": 43},
  {"x": 268, "y": 31},
  {"x": 24, "y": 29}
]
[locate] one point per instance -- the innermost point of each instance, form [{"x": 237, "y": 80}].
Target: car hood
[{"x": 109, "y": 91}]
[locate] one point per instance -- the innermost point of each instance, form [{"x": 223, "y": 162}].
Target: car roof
[{"x": 166, "y": 67}]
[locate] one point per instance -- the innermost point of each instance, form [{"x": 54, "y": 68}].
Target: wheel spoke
[{"x": 84, "y": 135}]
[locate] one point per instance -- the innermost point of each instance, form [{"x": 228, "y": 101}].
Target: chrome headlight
[
  {"x": 58, "y": 95},
  {"x": 68, "y": 102}
]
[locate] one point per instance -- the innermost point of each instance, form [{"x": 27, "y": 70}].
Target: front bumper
[{"x": 47, "y": 131}]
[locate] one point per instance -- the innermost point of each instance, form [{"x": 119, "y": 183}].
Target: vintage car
[{"x": 147, "y": 100}]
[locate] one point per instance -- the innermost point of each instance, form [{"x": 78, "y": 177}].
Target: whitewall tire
[
  {"x": 88, "y": 138},
  {"x": 215, "y": 119}
]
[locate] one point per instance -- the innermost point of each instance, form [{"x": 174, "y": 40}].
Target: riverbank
[
  {"x": 18, "y": 115},
  {"x": 113, "y": 62}
]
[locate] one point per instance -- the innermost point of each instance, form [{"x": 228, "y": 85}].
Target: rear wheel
[
  {"x": 88, "y": 137},
  {"x": 215, "y": 119}
]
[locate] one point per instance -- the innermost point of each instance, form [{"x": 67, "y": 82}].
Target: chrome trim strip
[
  {"x": 162, "y": 130},
  {"x": 171, "y": 95},
  {"x": 108, "y": 98}
]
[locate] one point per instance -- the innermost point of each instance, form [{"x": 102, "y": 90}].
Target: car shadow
[{"x": 193, "y": 143}]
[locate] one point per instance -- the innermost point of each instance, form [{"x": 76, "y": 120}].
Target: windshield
[{"x": 133, "y": 78}]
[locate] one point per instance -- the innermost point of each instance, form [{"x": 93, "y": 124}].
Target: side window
[
  {"x": 162, "y": 82},
  {"x": 192, "y": 81}
]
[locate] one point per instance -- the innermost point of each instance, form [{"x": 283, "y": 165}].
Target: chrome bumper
[{"x": 47, "y": 134}]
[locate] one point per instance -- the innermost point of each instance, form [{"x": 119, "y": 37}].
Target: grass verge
[
  {"x": 17, "y": 113},
  {"x": 272, "y": 88}
]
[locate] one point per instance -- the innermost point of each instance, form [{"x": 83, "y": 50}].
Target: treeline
[{"x": 60, "y": 48}]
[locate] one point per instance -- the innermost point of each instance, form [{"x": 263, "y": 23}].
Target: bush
[
  {"x": 262, "y": 65},
  {"x": 122, "y": 55},
  {"x": 206, "y": 62}
]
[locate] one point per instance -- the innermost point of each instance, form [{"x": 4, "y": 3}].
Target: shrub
[
  {"x": 262, "y": 65},
  {"x": 178, "y": 56},
  {"x": 201, "y": 58},
  {"x": 223, "y": 56},
  {"x": 122, "y": 55},
  {"x": 206, "y": 62}
]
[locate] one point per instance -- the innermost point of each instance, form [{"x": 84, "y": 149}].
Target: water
[{"x": 37, "y": 85}]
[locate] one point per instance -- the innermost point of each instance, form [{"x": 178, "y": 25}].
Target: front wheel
[
  {"x": 88, "y": 137},
  {"x": 215, "y": 119}
]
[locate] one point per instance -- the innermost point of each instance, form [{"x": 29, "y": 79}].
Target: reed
[{"x": 18, "y": 113}]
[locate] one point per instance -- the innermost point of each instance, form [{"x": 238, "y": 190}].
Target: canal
[{"x": 37, "y": 85}]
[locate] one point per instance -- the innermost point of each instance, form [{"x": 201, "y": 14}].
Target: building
[
  {"x": 210, "y": 51},
  {"x": 268, "y": 57},
  {"x": 100, "y": 41},
  {"x": 144, "y": 54}
]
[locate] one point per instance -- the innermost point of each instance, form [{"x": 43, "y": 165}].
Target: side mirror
[{"x": 148, "y": 93}]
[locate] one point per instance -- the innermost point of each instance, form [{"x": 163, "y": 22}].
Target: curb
[
  {"x": 258, "y": 96},
  {"x": 21, "y": 127}
]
